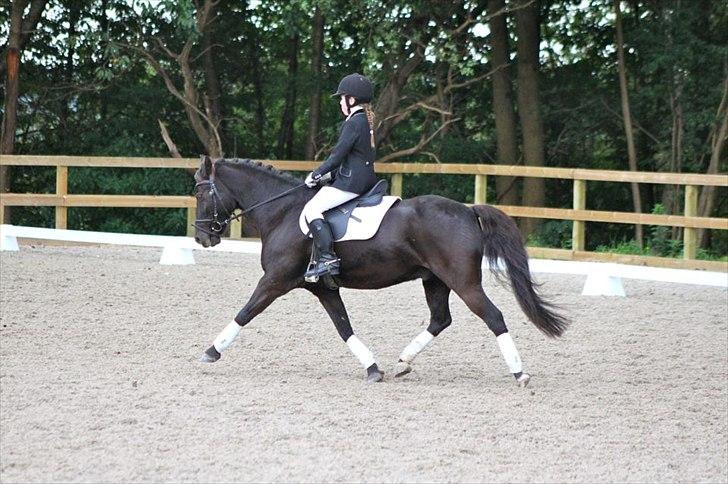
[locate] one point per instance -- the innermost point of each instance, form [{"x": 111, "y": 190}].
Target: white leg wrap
[
  {"x": 418, "y": 344},
  {"x": 226, "y": 336},
  {"x": 362, "y": 353},
  {"x": 510, "y": 353}
]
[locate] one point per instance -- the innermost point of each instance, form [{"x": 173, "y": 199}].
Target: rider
[{"x": 351, "y": 164}]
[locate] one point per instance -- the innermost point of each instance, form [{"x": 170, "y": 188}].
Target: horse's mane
[{"x": 260, "y": 167}]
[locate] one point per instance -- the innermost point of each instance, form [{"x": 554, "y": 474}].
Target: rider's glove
[{"x": 312, "y": 180}]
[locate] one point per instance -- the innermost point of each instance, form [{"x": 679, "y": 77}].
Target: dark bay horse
[{"x": 429, "y": 237}]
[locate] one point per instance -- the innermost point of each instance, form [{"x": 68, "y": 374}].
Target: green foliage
[
  {"x": 629, "y": 247},
  {"x": 85, "y": 91},
  {"x": 553, "y": 233}
]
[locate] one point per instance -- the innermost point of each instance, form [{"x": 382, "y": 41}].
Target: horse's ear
[{"x": 206, "y": 164}]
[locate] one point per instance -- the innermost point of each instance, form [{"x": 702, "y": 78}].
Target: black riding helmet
[{"x": 356, "y": 86}]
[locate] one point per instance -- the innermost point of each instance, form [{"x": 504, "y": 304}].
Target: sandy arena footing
[{"x": 99, "y": 381}]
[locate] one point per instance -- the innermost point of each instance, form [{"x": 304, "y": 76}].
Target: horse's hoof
[
  {"x": 374, "y": 374},
  {"x": 211, "y": 355},
  {"x": 402, "y": 369},
  {"x": 375, "y": 377},
  {"x": 523, "y": 380}
]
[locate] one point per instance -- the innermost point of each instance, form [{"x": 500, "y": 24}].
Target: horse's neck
[{"x": 251, "y": 187}]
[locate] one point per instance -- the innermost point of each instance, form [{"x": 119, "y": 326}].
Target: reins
[
  {"x": 217, "y": 226},
  {"x": 280, "y": 195}
]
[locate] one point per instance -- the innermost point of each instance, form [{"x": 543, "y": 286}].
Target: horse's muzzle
[{"x": 207, "y": 240}]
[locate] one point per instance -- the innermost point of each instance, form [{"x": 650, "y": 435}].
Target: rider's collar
[{"x": 353, "y": 111}]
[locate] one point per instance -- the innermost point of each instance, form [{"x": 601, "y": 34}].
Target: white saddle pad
[{"x": 364, "y": 222}]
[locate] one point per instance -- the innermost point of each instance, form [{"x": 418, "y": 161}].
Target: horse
[{"x": 429, "y": 237}]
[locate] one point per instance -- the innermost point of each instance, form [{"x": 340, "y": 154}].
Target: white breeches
[{"x": 326, "y": 199}]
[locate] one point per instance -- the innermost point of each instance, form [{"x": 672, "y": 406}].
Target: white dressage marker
[
  {"x": 602, "y": 284},
  {"x": 8, "y": 242},
  {"x": 176, "y": 256}
]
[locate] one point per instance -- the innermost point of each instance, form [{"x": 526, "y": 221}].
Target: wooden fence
[{"x": 578, "y": 214}]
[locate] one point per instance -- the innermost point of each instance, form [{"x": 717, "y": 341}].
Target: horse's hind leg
[
  {"x": 334, "y": 306},
  {"x": 437, "y": 294},
  {"x": 476, "y": 300}
]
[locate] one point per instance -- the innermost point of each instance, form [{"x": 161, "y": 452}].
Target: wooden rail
[{"x": 578, "y": 214}]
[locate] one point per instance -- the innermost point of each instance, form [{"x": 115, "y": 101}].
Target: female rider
[{"x": 351, "y": 164}]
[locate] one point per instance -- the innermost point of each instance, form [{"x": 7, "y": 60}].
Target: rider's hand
[{"x": 312, "y": 180}]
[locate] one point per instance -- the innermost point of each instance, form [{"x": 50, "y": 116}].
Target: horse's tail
[{"x": 502, "y": 240}]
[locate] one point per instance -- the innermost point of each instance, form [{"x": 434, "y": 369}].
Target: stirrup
[{"x": 321, "y": 268}]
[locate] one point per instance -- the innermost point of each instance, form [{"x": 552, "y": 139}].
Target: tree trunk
[
  {"x": 12, "y": 89},
  {"x": 527, "y": 29},
  {"x": 27, "y": 28},
  {"x": 628, "y": 129},
  {"x": 670, "y": 194},
  {"x": 315, "y": 109},
  {"x": 259, "y": 97},
  {"x": 717, "y": 141},
  {"x": 104, "y": 24},
  {"x": 505, "y": 117},
  {"x": 388, "y": 99},
  {"x": 214, "y": 98},
  {"x": 74, "y": 14},
  {"x": 285, "y": 136},
  {"x": 398, "y": 67}
]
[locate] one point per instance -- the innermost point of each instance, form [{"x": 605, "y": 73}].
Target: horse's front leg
[
  {"x": 334, "y": 306},
  {"x": 267, "y": 291}
]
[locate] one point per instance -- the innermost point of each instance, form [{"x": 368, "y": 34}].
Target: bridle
[{"x": 218, "y": 226}]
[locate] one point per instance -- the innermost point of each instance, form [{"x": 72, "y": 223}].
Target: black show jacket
[{"x": 352, "y": 159}]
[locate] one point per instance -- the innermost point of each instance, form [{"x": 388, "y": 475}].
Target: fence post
[
  {"x": 191, "y": 216},
  {"x": 481, "y": 189},
  {"x": 578, "y": 236},
  {"x": 690, "y": 234},
  {"x": 397, "y": 184},
  {"x": 61, "y": 190}
]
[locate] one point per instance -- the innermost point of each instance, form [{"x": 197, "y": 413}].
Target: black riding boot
[{"x": 328, "y": 262}]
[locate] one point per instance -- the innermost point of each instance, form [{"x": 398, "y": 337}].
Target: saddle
[
  {"x": 359, "y": 218},
  {"x": 338, "y": 217}
]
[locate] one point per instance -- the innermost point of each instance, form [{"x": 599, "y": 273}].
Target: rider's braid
[{"x": 370, "y": 117}]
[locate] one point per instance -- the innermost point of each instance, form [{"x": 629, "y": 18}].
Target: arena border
[{"x": 603, "y": 278}]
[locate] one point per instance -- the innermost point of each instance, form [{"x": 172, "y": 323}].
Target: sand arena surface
[{"x": 99, "y": 381}]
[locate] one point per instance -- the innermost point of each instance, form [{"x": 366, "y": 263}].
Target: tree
[
  {"x": 315, "y": 106},
  {"x": 444, "y": 30},
  {"x": 430, "y": 61},
  {"x": 717, "y": 141},
  {"x": 202, "y": 108},
  {"x": 286, "y": 133},
  {"x": 20, "y": 31},
  {"x": 527, "y": 29},
  {"x": 627, "y": 117},
  {"x": 505, "y": 116},
  {"x": 27, "y": 28}
]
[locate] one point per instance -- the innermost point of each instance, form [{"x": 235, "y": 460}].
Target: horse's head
[{"x": 213, "y": 211}]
